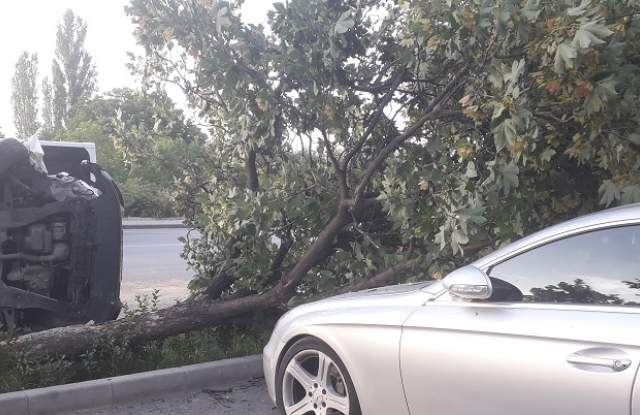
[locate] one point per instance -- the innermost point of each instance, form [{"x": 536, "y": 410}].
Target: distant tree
[
  {"x": 47, "y": 105},
  {"x": 162, "y": 134},
  {"x": 74, "y": 73},
  {"x": 24, "y": 95},
  {"x": 1, "y": 133},
  {"x": 59, "y": 98}
]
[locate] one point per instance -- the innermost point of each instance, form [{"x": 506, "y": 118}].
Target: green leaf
[
  {"x": 471, "y": 172},
  {"x": 547, "y": 154},
  {"x": 458, "y": 237},
  {"x": 279, "y": 7},
  {"x": 222, "y": 20},
  {"x": 345, "y": 23},
  {"x": 631, "y": 194},
  {"x": 510, "y": 178},
  {"x": 440, "y": 238},
  {"x": 565, "y": 57},
  {"x": 593, "y": 104},
  {"x": 607, "y": 87},
  {"x": 531, "y": 10},
  {"x": 498, "y": 109},
  {"x": 517, "y": 69},
  {"x": 579, "y": 10},
  {"x": 610, "y": 193},
  {"x": 504, "y": 134},
  {"x": 474, "y": 215},
  {"x": 591, "y": 34},
  {"x": 604, "y": 91}
]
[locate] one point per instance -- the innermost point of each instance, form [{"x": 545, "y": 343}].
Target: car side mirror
[{"x": 469, "y": 283}]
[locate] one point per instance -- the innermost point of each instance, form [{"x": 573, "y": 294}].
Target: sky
[{"x": 31, "y": 25}]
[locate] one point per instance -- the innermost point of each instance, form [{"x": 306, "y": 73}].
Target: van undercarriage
[{"x": 60, "y": 241}]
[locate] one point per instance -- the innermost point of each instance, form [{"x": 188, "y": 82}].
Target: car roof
[{"x": 605, "y": 218}]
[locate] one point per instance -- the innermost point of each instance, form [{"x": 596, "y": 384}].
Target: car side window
[{"x": 600, "y": 267}]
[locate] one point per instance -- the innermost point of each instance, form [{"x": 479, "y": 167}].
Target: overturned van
[{"x": 60, "y": 238}]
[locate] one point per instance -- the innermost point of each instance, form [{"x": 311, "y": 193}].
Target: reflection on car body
[
  {"x": 60, "y": 239},
  {"x": 546, "y": 325}
]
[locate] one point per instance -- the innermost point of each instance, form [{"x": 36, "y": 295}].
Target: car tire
[{"x": 330, "y": 391}]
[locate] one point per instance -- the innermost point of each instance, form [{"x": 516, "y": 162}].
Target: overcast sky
[{"x": 31, "y": 25}]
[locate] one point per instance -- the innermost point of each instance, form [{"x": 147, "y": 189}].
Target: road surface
[
  {"x": 152, "y": 261},
  {"x": 240, "y": 399}
]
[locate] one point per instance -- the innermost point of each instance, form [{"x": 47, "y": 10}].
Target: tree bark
[
  {"x": 196, "y": 314},
  {"x": 252, "y": 171},
  {"x": 386, "y": 277},
  {"x": 73, "y": 341}
]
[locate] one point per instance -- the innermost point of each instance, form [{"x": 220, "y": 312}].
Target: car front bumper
[{"x": 270, "y": 364}]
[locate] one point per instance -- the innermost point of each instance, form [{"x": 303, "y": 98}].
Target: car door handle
[{"x": 617, "y": 365}]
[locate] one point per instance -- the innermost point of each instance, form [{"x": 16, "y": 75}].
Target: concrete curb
[
  {"x": 109, "y": 392},
  {"x": 153, "y": 225}
]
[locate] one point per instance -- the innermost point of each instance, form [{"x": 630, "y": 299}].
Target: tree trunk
[
  {"x": 197, "y": 314},
  {"x": 73, "y": 341},
  {"x": 387, "y": 277}
]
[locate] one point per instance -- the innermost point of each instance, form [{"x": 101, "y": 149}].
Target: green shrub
[
  {"x": 144, "y": 199},
  {"x": 118, "y": 357}
]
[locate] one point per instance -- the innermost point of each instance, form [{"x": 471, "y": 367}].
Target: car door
[{"x": 559, "y": 335}]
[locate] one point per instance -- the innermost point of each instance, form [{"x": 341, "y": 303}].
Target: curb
[
  {"x": 160, "y": 224},
  {"x": 109, "y": 392},
  {"x": 154, "y": 226}
]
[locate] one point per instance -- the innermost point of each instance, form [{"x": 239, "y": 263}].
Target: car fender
[{"x": 366, "y": 339}]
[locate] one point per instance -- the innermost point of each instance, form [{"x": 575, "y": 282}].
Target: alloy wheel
[{"x": 314, "y": 384}]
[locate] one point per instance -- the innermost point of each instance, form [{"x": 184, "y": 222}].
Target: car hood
[
  {"x": 375, "y": 303},
  {"x": 391, "y": 290}
]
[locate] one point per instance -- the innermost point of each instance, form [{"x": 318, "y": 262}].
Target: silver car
[{"x": 547, "y": 325}]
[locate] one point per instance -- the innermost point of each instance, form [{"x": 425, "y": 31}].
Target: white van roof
[{"x": 90, "y": 147}]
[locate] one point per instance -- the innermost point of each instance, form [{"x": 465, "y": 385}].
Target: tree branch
[
  {"x": 431, "y": 113},
  {"x": 252, "y": 171},
  {"x": 320, "y": 249},
  {"x": 340, "y": 173},
  {"x": 375, "y": 119},
  {"x": 386, "y": 277}
]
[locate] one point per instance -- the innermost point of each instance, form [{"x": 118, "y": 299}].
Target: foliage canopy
[{"x": 352, "y": 135}]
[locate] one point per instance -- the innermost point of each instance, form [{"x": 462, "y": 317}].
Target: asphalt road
[
  {"x": 239, "y": 399},
  {"x": 152, "y": 261}
]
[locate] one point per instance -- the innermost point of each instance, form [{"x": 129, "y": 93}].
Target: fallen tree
[
  {"x": 200, "y": 313},
  {"x": 192, "y": 315},
  {"x": 380, "y": 138}
]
